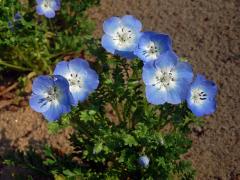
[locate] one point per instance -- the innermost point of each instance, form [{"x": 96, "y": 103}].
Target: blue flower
[
  {"x": 50, "y": 96},
  {"x": 151, "y": 45},
  {"x": 17, "y": 16},
  {"x": 201, "y": 96},
  {"x": 11, "y": 26},
  {"x": 48, "y": 7},
  {"x": 82, "y": 79},
  {"x": 144, "y": 161},
  {"x": 121, "y": 35},
  {"x": 167, "y": 79}
]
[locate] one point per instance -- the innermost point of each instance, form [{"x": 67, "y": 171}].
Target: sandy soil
[{"x": 207, "y": 32}]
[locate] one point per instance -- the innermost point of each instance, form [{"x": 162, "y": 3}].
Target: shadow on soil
[{"x": 12, "y": 160}]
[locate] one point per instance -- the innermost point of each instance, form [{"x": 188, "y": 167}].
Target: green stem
[
  {"x": 37, "y": 169},
  {"x": 14, "y": 66},
  {"x": 43, "y": 60},
  {"x": 123, "y": 114},
  {"x": 51, "y": 25},
  {"x": 45, "y": 63},
  {"x": 22, "y": 56},
  {"x": 125, "y": 66}
]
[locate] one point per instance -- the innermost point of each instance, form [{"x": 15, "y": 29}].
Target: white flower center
[
  {"x": 151, "y": 51},
  {"x": 198, "y": 96},
  {"x": 51, "y": 96},
  {"x": 123, "y": 37},
  {"x": 164, "y": 79},
  {"x": 47, "y": 4},
  {"x": 75, "y": 81}
]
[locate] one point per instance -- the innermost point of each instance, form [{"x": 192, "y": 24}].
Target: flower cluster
[
  {"x": 71, "y": 83},
  {"x": 167, "y": 79}
]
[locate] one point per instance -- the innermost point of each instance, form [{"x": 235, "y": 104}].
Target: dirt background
[{"x": 207, "y": 32}]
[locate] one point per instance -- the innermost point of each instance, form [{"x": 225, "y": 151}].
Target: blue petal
[
  {"x": 206, "y": 108},
  {"x": 144, "y": 161},
  {"x": 155, "y": 96},
  {"x": 79, "y": 95},
  {"x": 163, "y": 40},
  {"x": 184, "y": 71},
  {"x": 42, "y": 84},
  {"x": 146, "y": 37},
  {"x": 178, "y": 93},
  {"x": 78, "y": 65},
  {"x": 148, "y": 73},
  {"x": 55, "y": 5},
  {"x": 108, "y": 44},
  {"x": 132, "y": 22},
  {"x": 39, "y": 1},
  {"x": 210, "y": 107},
  {"x": 49, "y": 13},
  {"x": 167, "y": 59},
  {"x": 140, "y": 53},
  {"x": 209, "y": 87},
  {"x": 40, "y": 10},
  {"x": 173, "y": 97},
  {"x": 55, "y": 111},
  {"x": 61, "y": 83},
  {"x": 58, "y": 5},
  {"x": 91, "y": 81},
  {"x": 111, "y": 24},
  {"x": 62, "y": 69},
  {"x": 17, "y": 16},
  {"x": 125, "y": 54},
  {"x": 38, "y": 103}
]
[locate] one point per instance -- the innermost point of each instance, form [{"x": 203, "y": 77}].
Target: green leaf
[
  {"x": 129, "y": 140},
  {"x": 68, "y": 173},
  {"x": 98, "y": 148},
  {"x": 49, "y": 162},
  {"x": 53, "y": 127}
]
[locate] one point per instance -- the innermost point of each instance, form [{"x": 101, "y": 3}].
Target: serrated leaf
[
  {"x": 98, "y": 148},
  {"x": 130, "y": 140},
  {"x": 68, "y": 173},
  {"x": 53, "y": 127}
]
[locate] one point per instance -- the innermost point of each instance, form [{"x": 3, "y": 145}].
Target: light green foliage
[{"x": 35, "y": 43}]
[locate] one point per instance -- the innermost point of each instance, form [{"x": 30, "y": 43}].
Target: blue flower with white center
[
  {"x": 48, "y": 7},
  {"x": 121, "y": 35},
  {"x": 201, "y": 96},
  {"x": 144, "y": 161},
  {"x": 167, "y": 79},
  {"x": 51, "y": 96},
  {"x": 82, "y": 79},
  {"x": 151, "y": 45}
]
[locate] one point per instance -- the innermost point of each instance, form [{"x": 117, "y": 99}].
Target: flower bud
[{"x": 144, "y": 161}]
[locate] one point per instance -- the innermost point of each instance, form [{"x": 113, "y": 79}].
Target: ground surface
[{"x": 207, "y": 32}]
